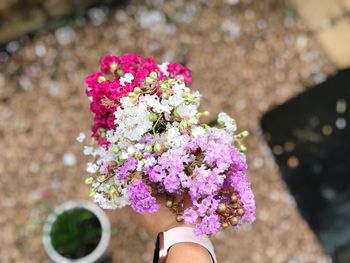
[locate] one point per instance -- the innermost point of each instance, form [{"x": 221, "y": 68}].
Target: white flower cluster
[
  {"x": 228, "y": 123},
  {"x": 132, "y": 119}
]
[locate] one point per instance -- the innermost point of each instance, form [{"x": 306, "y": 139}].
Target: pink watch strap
[{"x": 185, "y": 234}]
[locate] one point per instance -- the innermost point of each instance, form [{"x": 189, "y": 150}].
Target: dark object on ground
[
  {"x": 76, "y": 233},
  {"x": 310, "y": 139}
]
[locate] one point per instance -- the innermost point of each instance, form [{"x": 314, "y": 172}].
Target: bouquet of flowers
[{"x": 150, "y": 142}]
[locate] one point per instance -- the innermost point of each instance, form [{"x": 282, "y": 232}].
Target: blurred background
[{"x": 248, "y": 57}]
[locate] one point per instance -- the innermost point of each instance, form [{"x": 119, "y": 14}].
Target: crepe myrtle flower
[{"x": 149, "y": 141}]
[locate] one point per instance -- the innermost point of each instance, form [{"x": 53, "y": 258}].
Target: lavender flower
[
  {"x": 141, "y": 199},
  {"x": 129, "y": 165}
]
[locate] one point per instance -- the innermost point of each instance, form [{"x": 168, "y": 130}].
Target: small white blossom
[
  {"x": 139, "y": 146},
  {"x": 229, "y": 123},
  {"x": 150, "y": 161},
  {"x": 173, "y": 137},
  {"x": 124, "y": 144},
  {"x": 131, "y": 150},
  {"x": 123, "y": 200},
  {"x": 91, "y": 167},
  {"x": 177, "y": 98},
  {"x": 133, "y": 122},
  {"x": 104, "y": 202},
  {"x": 187, "y": 111},
  {"x": 128, "y": 78},
  {"x": 157, "y": 106},
  {"x": 127, "y": 102},
  {"x": 81, "y": 137},
  {"x": 112, "y": 136},
  {"x": 88, "y": 150},
  {"x": 196, "y": 96},
  {"x": 124, "y": 155},
  {"x": 139, "y": 166},
  {"x": 164, "y": 68},
  {"x": 197, "y": 131}
]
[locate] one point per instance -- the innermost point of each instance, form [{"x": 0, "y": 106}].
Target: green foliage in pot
[{"x": 76, "y": 233}]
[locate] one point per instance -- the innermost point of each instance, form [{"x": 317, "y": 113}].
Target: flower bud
[
  {"x": 102, "y": 132},
  {"x": 153, "y": 75},
  {"x": 120, "y": 72},
  {"x": 235, "y": 205},
  {"x": 206, "y": 126},
  {"x": 240, "y": 212},
  {"x": 167, "y": 144},
  {"x": 221, "y": 122},
  {"x": 101, "y": 79},
  {"x": 186, "y": 95},
  {"x": 89, "y": 180},
  {"x": 131, "y": 95},
  {"x": 242, "y": 148},
  {"x": 165, "y": 95},
  {"x": 113, "y": 67},
  {"x": 190, "y": 122},
  {"x": 234, "y": 198},
  {"x": 113, "y": 190},
  {"x": 149, "y": 80},
  {"x": 179, "y": 218},
  {"x": 234, "y": 221},
  {"x": 224, "y": 225},
  {"x": 222, "y": 208},
  {"x": 148, "y": 148},
  {"x": 163, "y": 87},
  {"x": 171, "y": 81},
  {"x": 182, "y": 125},
  {"x": 153, "y": 117},
  {"x": 101, "y": 178},
  {"x": 92, "y": 192},
  {"x": 138, "y": 155},
  {"x": 176, "y": 114},
  {"x": 169, "y": 203},
  {"x": 115, "y": 149},
  {"x": 122, "y": 158},
  {"x": 137, "y": 90},
  {"x": 245, "y": 133},
  {"x": 157, "y": 147}
]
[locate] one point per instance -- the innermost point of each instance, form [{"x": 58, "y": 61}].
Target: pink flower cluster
[{"x": 105, "y": 93}]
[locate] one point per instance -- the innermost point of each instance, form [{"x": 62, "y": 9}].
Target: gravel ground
[{"x": 247, "y": 56}]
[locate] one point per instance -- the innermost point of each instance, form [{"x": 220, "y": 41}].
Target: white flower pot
[{"x": 100, "y": 249}]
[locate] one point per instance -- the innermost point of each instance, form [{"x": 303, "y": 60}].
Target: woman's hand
[
  {"x": 159, "y": 221},
  {"x": 164, "y": 220}
]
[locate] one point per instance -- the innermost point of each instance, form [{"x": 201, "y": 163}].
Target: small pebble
[
  {"x": 69, "y": 159},
  {"x": 65, "y": 35}
]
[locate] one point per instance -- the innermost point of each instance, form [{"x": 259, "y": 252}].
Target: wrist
[
  {"x": 198, "y": 246},
  {"x": 185, "y": 251}
]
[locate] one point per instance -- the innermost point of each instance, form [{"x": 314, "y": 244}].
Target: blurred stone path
[
  {"x": 329, "y": 21},
  {"x": 247, "y": 56}
]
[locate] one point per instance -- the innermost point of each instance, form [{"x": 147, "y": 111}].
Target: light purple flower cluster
[
  {"x": 215, "y": 166},
  {"x": 141, "y": 199}
]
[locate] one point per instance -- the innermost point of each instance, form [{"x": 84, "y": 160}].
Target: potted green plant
[{"x": 76, "y": 232}]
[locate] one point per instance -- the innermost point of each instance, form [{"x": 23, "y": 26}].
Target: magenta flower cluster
[{"x": 106, "y": 93}]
